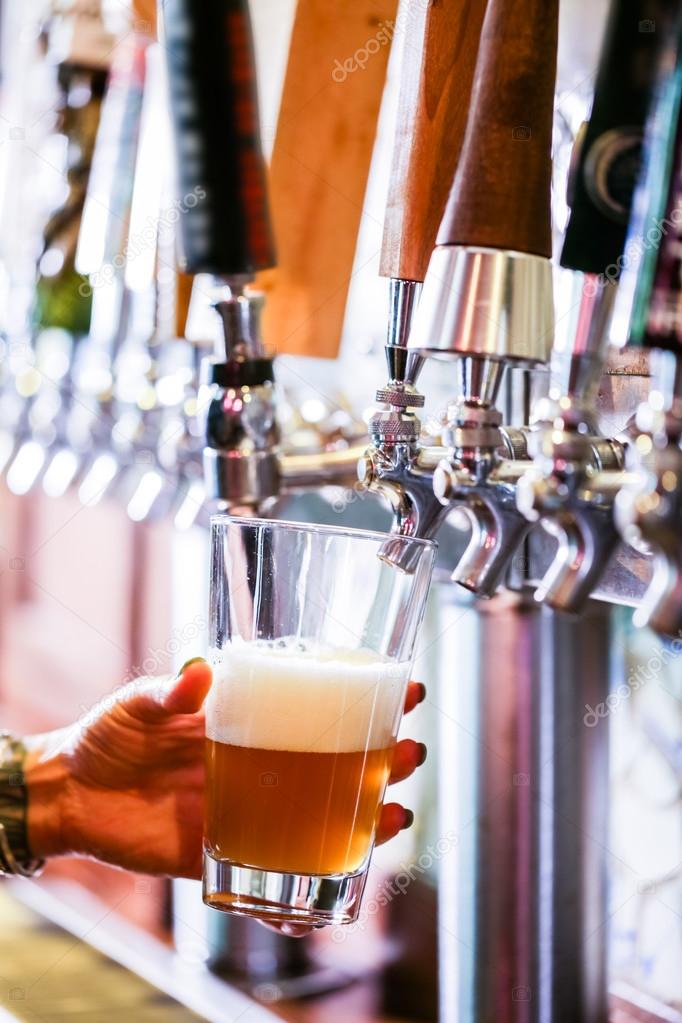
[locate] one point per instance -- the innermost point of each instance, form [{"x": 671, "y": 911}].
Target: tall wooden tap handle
[
  {"x": 500, "y": 197},
  {"x": 441, "y": 45}
]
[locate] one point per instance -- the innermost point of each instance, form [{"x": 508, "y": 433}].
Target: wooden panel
[{"x": 321, "y": 157}]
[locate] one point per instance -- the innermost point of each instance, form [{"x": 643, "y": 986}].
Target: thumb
[
  {"x": 153, "y": 699},
  {"x": 187, "y": 694}
]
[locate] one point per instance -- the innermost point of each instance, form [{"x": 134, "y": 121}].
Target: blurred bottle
[
  {"x": 82, "y": 454},
  {"x": 76, "y": 45},
  {"x": 79, "y": 42}
]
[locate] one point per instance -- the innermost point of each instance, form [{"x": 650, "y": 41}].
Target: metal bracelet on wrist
[{"x": 15, "y": 855}]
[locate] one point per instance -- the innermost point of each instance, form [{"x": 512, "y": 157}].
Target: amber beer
[{"x": 299, "y": 747}]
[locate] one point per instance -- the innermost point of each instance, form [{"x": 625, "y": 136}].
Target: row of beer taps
[
  {"x": 100, "y": 394},
  {"x": 468, "y": 252}
]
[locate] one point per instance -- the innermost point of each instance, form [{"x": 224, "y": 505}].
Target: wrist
[{"x": 48, "y": 790}]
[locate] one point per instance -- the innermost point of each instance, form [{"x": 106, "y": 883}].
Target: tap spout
[
  {"x": 649, "y": 513},
  {"x": 497, "y": 526},
  {"x": 497, "y": 531},
  {"x": 578, "y": 511},
  {"x": 404, "y": 476},
  {"x": 587, "y": 539},
  {"x": 661, "y": 608}
]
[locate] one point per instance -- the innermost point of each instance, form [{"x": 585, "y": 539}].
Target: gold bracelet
[{"x": 15, "y": 855}]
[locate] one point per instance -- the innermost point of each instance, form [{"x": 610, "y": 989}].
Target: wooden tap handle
[
  {"x": 320, "y": 161},
  {"x": 183, "y": 297},
  {"x": 438, "y": 63},
  {"x": 500, "y": 197}
]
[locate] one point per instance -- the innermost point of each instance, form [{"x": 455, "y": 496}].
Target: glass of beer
[{"x": 312, "y": 635}]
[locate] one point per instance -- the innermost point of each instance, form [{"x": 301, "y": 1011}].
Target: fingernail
[
  {"x": 422, "y": 692},
  {"x": 423, "y": 751},
  {"x": 192, "y": 660},
  {"x": 408, "y": 821}
]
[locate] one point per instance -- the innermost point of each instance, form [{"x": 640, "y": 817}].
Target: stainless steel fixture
[
  {"x": 481, "y": 309},
  {"x": 577, "y": 473},
  {"x": 649, "y": 511},
  {"x": 522, "y": 914}
]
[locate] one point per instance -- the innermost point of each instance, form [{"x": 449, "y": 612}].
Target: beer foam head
[{"x": 292, "y": 695}]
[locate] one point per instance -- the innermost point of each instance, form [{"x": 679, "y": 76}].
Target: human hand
[{"x": 127, "y": 787}]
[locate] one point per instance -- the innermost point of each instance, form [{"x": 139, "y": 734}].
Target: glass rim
[{"x": 314, "y": 527}]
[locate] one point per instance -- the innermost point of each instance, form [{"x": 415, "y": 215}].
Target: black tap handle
[
  {"x": 608, "y": 157},
  {"x": 224, "y": 219}
]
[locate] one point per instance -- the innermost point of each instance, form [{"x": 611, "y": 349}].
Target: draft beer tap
[
  {"x": 649, "y": 511},
  {"x": 436, "y": 78},
  {"x": 577, "y": 473},
  {"x": 226, "y": 233},
  {"x": 487, "y": 297},
  {"x": 435, "y": 86}
]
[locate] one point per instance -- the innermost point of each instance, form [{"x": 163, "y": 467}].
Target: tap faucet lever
[
  {"x": 649, "y": 510},
  {"x": 479, "y": 478},
  {"x": 587, "y": 538}
]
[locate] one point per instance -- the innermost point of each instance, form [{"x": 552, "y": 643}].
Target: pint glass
[{"x": 312, "y": 636}]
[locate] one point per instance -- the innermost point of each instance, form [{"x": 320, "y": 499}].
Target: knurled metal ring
[
  {"x": 393, "y": 424},
  {"x": 473, "y": 437},
  {"x": 401, "y": 399}
]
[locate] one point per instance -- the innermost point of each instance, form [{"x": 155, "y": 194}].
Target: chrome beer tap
[
  {"x": 487, "y": 297},
  {"x": 240, "y": 458},
  {"x": 577, "y": 474},
  {"x": 227, "y": 234},
  {"x": 243, "y": 462},
  {"x": 479, "y": 476},
  {"x": 395, "y": 464},
  {"x": 425, "y": 156},
  {"x": 649, "y": 510},
  {"x": 433, "y": 104}
]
